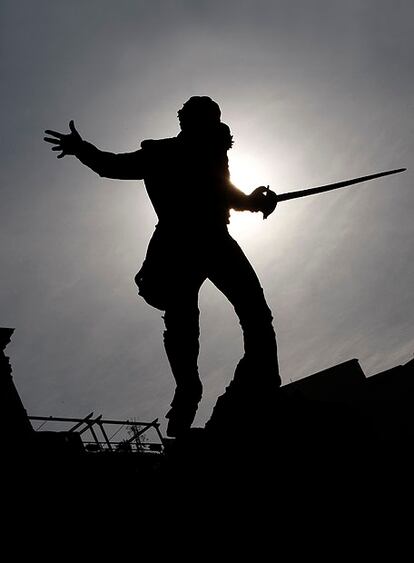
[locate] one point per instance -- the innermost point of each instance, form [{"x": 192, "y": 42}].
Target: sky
[{"x": 314, "y": 92}]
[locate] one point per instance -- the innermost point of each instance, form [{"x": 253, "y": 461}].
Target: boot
[{"x": 183, "y": 409}]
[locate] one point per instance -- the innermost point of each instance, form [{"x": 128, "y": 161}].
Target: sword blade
[{"x": 328, "y": 187}]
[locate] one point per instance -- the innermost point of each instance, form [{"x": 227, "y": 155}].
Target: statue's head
[
  {"x": 200, "y": 118},
  {"x": 199, "y": 113}
]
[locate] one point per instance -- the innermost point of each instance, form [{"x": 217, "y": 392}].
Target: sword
[{"x": 327, "y": 188}]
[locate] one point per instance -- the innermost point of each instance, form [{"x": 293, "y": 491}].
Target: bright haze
[{"x": 314, "y": 92}]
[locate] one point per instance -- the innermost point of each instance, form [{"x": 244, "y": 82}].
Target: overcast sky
[{"x": 314, "y": 92}]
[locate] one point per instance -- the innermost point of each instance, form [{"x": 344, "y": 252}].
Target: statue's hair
[{"x": 199, "y": 108}]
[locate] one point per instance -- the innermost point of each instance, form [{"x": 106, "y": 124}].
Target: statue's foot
[
  {"x": 183, "y": 410},
  {"x": 180, "y": 419}
]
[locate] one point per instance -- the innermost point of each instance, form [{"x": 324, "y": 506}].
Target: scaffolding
[{"x": 132, "y": 436}]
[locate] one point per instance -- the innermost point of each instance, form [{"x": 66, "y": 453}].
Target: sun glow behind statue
[{"x": 246, "y": 173}]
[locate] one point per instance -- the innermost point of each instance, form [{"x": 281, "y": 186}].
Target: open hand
[
  {"x": 263, "y": 199},
  {"x": 67, "y": 144}
]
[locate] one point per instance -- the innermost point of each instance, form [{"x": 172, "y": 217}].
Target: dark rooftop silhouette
[{"x": 332, "y": 429}]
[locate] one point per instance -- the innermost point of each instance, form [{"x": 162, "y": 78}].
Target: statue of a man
[{"x": 187, "y": 179}]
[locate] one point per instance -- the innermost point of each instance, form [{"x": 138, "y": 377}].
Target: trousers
[{"x": 221, "y": 260}]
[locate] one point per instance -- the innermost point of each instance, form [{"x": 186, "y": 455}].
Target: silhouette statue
[{"x": 188, "y": 182}]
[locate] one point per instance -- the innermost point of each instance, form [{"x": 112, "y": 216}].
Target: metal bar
[
  {"x": 148, "y": 426},
  {"x": 89, "y": 426},
  {"x": 81, "y": 422},
  {"x": 94, "y": 436},
  {"x": 320, "y": 189},
  {"x": 41, "y": 425},
  {"x": 90, "y": 423},
  {"x": 138, "y": 443},
  {"x": 115, "y": 433},
  {"x": 108, "y": 443},
  {"x": 103, "y": 420}
]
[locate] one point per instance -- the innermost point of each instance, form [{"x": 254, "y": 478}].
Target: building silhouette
[{"x": 333, "y": 427}]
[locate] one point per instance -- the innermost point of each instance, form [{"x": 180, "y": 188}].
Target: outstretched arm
[{"x": 124, "y": 166}]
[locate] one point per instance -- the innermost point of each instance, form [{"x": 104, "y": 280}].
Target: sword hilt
[{"x": 271, "y": 200}]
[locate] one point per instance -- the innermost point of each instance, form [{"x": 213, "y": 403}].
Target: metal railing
[{"x": 96, "y": 437}]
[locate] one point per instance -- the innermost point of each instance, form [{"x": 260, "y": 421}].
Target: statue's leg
[
  {"x": 233, "y": 275},
  {"x": 181, "y": 341}
]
